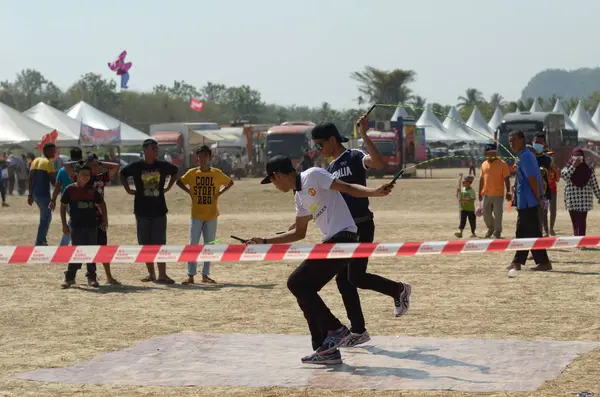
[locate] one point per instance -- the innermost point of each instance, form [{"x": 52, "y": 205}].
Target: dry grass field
[{"x": 453, "y": 296}]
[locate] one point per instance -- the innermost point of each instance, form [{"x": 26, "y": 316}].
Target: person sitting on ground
[{"x": 467, "y": 204}]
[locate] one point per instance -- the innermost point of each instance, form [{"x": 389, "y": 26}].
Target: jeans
[
  {"x": 305, "y": 283},
  {"x": 579, "y": 221},
  {"x": 206, "y": 229},
  {"x": 470, "y": 215},
  {"x": 354, "y": 275},
  {"x": 45, "y": 219},
  {"x": 528, "y": 226},
  {"x": 83, "y": 236},
  {"x": 492, "y": 214},
  {"x": 65, "y": 240}
]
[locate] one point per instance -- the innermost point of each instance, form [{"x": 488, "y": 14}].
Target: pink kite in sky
[{"x": 122, "y": 68}]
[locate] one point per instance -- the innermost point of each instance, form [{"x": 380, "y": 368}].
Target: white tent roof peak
[
  {"x": 89, "y": 115},
  {"x": 400, "y": 112},
  {"x": 434, "y": 130},
  {"x": 455, "y": 126},
  {"x": 56, "y": 119},
  {"x": 477, "y": 123},
  {"x": 17, "y": 128},
  {"x": 559, "y": 108},
  {"x": 536, "y": 107},
  {"x": 586, "y": 128},
  {"x": 496, "y": 119},
  {"x": 596, "y": 117}
]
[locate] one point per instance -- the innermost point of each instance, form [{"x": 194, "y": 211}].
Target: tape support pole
[{"x": 275, "y": 252}]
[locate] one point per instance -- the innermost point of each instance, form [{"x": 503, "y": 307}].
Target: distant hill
[{"x": 580, "y": 83}]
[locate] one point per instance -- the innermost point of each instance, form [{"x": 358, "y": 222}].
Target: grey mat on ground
[{"x": 385, "y": 363}]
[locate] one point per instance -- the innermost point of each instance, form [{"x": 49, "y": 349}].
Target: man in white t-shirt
[{"x": 317, "y": 195}]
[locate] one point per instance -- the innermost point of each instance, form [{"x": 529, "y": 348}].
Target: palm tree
[
  {"x": 417, "y": 106},
  {"x": 472, "y": 98},
  {"x": 497, "y": 100},
  {"x": 381, "y": 86}
]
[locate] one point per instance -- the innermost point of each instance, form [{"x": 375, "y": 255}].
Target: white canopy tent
[
  {"x": 496, "y": 119},
  {"x": 89, "y": 115},
  {"x": 536, "y": 107},
  {"x": 15, "y": 128},
  {"x": 399, "y": 112},
  {"x": 596, "y": 117},
  {"x": 455, "y": 126},
  {"x": 58, "y": 120},
  {"x": 434, "y": 130},
  {"x": 477, "y": 123},
  {"x": 585, "y": 127},
  {"x": 559, "y": 108}
]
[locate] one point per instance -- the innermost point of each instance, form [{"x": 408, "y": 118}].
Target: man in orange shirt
[{"x": 494, "y": 187}]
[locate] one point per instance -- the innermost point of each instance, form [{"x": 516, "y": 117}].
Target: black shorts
[{"x": 151, "y": 231}]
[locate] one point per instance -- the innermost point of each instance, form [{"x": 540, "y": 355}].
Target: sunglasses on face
[{"x": 319, "y": 145}]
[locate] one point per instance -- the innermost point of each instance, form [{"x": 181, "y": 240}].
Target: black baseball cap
[
  {"x": 326, "y": 130},
  {"x": 275, "y": 164},
  {"x": 490, "y": 147},
  {"x": 149, "y": 142}
]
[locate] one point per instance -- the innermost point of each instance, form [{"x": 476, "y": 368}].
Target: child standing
[
  {"x": 81, "y": 201},
  {"x": 205, "y": 187},
  {"x": 467, "y": 202}
]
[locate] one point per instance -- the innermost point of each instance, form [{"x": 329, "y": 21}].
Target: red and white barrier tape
[{"x": 276, "y": 252}]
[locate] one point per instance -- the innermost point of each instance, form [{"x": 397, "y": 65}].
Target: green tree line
[{"x": 223, "y": 104}]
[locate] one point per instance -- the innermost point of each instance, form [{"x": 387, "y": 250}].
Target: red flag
[
  {"x": 48, "y": 138},
  {"x": 196, "y": 104}
]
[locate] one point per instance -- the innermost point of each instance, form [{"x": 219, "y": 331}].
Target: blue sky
[{"x": 303, "y": 52}]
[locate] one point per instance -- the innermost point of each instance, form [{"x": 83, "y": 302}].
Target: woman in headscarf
[{"x": 580, "y": 187}]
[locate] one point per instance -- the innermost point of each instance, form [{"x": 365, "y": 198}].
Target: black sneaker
[
  {"x": 67, "y": 284},
  {"x": 92, "y": 282},
  {"x": 333, "y": 340},
  {"x": 318, "y": 358}
]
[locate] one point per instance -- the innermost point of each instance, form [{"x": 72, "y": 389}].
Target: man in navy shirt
[
  {"x": 350, "y": 166},
  {"x": 528, "y": 196}
]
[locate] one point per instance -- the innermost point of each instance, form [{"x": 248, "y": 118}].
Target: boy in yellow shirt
[{"x": 205, "y": 183}]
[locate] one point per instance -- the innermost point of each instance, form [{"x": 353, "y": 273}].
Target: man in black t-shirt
[
  {"x": 150, "y": 208},
  {"x": 81, "y": 201},
  {"x": 350, "y": 166}
]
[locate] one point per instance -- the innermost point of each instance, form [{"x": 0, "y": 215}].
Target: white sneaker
[
  {"x": 355, "y": 339},
  {"x": 402, "y": 303}
]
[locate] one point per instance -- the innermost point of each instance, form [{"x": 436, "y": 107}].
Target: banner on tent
[
  {"x": 420, "y": 144},
  {"x": 96, "y": 136}
]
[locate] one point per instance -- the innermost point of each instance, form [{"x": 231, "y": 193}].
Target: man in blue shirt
[{"x": 528, "y": 197}]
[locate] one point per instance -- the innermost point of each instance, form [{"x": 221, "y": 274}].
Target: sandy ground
[{"x": 453, "y": 296}]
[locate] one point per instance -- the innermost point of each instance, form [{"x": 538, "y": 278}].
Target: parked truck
[
  {"x": 179, "y": 140},
  {"x": 400, "y": 143}
]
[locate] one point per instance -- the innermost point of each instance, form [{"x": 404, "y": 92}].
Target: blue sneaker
[
  {"x": 318, "y": 358},
  {"x": 334, "y": 339}
]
